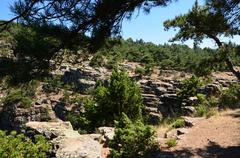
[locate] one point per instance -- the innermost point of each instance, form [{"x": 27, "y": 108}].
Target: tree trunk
[
  {"x": 227, "y": 58},
  {"x": 231, "y": 67}
]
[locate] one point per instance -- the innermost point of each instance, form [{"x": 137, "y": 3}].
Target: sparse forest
[{"x": 71, "y": 86}]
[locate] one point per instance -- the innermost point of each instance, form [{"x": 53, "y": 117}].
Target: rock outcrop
[
  {"x": 13, "y": 118},
  {"x": 67, "y": 142},
  {"x": 107, "y": 134},
  {"x": 158, "y": 89}
]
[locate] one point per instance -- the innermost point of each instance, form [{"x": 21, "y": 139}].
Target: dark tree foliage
[
  {"x": 176, "y": 57},
  {"x": 229, "y": 8},
  {"x": 120, "y": 95},
  {"x": 206, "y": 22},
  {"x": 133, "y": 139},
  {"x": 100, "y": 18},
  {"x": 201, "y": 23}
]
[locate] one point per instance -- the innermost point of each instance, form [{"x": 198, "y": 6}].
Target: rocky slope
[{"x": 159, "y": 95}]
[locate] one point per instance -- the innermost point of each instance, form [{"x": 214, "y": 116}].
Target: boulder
[
  {"x": 107, "y": 134},
  {"x": 13, "y": 118},
  {"x": 160, "y": 90},
  {"x": 154, "y": 118},
  {"x": 189, "y": 110},
  {"x": 182, "y": 131},
  {"x": 84, "y": 85},
  {"x": 53, "y": 129},
  {"x": 192, "y": 100},
  {"x": 210, "y": 89},
  {"x": 67, "y": 142},
  {"x": 175, "y": 133},
  {"x": 82, "y": 146},
  {"x": 188, "y": 122}
]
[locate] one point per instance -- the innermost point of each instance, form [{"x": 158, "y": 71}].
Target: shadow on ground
[
  {"x": 213, "y": 150},
  {"x": 235, "y": 114}
]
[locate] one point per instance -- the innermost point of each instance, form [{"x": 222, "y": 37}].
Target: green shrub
[
  {"x": 132, "y": 139},
  {"x": 201, "y": 110},
  {"x": 231, "y": 96},
  {"x": 111, "y": 64},
  {"x": 29, "y": 88},
  {"x": 213, "y": 101},
  {"x": 53, "y": 84},
  {"x": 188, "y": 88},
  {"x": 171, "y": 142},
  {"x": 206, "y": 105},
  {"x": 140, "y": 70},
  {"x": 211, "y": 112},
  {"x": 30, "y": 42},
  {"x": 202, "y": 99},
  {"x": 120, "y": 95},
  {"x": 17, "y": 97},
  {"x": 178, "y": 123},
  {"x": 85, "y": 121},
  {"x": 97, "y": 61},
  {"x": 204, "y": 67},
  {"x": 166, "y": 64},
  {"x": 15, "y": 145},
  {"x": 148, "y": 68}
]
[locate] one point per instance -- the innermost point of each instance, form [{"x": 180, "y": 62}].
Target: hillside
[{"x": 129, "y": 99}]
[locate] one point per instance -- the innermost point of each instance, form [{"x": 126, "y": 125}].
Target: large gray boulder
[
  {"x": 82, "y": 146},
  {"x": 67, "y": 142}
]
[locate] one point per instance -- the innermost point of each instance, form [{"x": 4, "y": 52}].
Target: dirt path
[{"x": 216, "y": 137}]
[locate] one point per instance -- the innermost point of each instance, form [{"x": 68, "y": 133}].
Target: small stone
[
  {"x": 107, "y": 132},
  {"x": 188, "y": 122},
  {"x": 189, "y": 110},
  {"x": 182, "y": 131},
  {"x": 193, "y": 100},
  {"x": 44, "y": 101}
]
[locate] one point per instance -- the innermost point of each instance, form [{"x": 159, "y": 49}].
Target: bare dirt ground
[{"x": 216, "y": 137}]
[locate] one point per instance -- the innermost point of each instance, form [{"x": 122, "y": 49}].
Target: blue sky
[{"x": 147, "y": 27}]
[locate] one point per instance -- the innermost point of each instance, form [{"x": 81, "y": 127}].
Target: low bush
[
  {"x": 17, "y": 97},
  {"x": 15, "y": 145},
  {"x": 201, "y": 110},
  {"x": 140, "y": 70},
  {"x": 53, "y": 84},
  {"x": 231, "y": 97},
  {"x": 178, "y": 123},
  {"x": 213, "y": 101},
  {"x": 171, "y": 142},
  {"x": 29, "y": 88},
  {"x": 132, "y": 139},
  {"x": 87, "y": 120},
  {"x": 206, "y": 105},
  {"x": 97, "y": 61},
  {"x": 188, "y": 88}
]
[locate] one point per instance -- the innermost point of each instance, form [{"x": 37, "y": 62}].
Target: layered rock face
[
  {"x": 159, "y": 89},
  {"x": 13, "y": 118},
  {"x": 159, "y": 92},
  {"x": 159, "y": 97}
]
